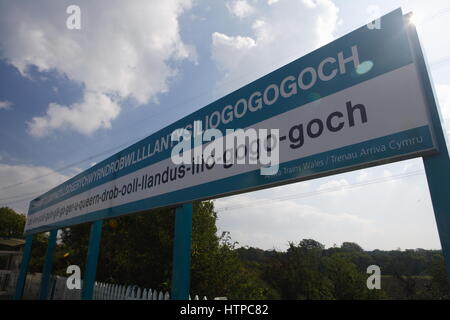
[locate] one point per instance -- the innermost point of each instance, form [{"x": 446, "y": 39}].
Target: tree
[
  {"x": 38, "y": 250},
  {"x": 351, "y": 246},
  {"x": 297, "y": 274},
  {"x": 348, "y": 282},
  {"x": 137, "y": 249},
  {"x": 134, "y": 249},
  {"x": 219, "y": 272},
  {"x": 440, "y": 287},
  {"x": 310, "y": 244},
  {"x": 12, "y": 224}
]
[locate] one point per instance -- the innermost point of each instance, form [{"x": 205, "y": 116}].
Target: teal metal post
[
  {"x": 92, "y": 259},
  {"x": 23, "y": 267},
  {"x": 437, "y": 167},
  {"x": 181, "y": 270},
  {"x": 48, "y": 265}
]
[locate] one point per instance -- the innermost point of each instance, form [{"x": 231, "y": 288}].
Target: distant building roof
[{"x": 11, "y": 242}]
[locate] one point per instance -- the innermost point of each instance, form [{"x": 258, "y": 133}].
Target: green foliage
[
  {"x": 348, "y": 282},
  {"x": 12, "y": 224},
  {"x": 297, "y": 274},
  {"x": 221, "y": 273},
  {"x": 351, "y": 246},
  {"x": 138, "y": 245},
  {"x": 309, "y": 244},
  {"x": 38, "y": 251},
  {"x": 137, "y": 249},
  {"x": 409, "y": 274},
  {"x": 439, "y": 288},
  {"x": 308, "y": 271}
]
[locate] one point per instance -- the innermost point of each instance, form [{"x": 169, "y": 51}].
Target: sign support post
[
  {"x": 24, "y": 267},
  {"x": 48, "y": 265},
  {"x": 92, "y": 259},
  {"x": 181, "y": 269},
  {"x": 437, "y": 166}
]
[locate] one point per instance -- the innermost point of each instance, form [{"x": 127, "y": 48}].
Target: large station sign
[{"x": 357, "y": 102}]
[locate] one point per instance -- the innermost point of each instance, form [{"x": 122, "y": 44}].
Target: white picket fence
[
  {"x": 108, "y": 291},
  {"x": 102, "y": 291}
]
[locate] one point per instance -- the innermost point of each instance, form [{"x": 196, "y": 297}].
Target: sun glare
[{"x": 414, "y": 19}]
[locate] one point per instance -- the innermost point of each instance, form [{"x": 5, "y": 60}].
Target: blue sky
[{"x": 70, "y": 98}]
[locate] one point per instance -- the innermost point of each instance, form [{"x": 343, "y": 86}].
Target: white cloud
[
  {"x": 95, "y": 111},
  {"x": 383, "y": 215},
  {"x": 240, "y": 8},
  {"x": 362, "y": 176},
  {"x": 333, "y": 184},
  {"x": 5, "y": 105},
  {"x": 279, "y": 36},
  {"x": 274, "y": 223},
  {"x": 123, "y": 49},
  {"x": 386, "y": 173},
  {"x": 430, "y": 19},
  {"x": 19, "y": 196},
  {"x": 224, "y": 45},
  {"x": 336, "y": 186}
]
